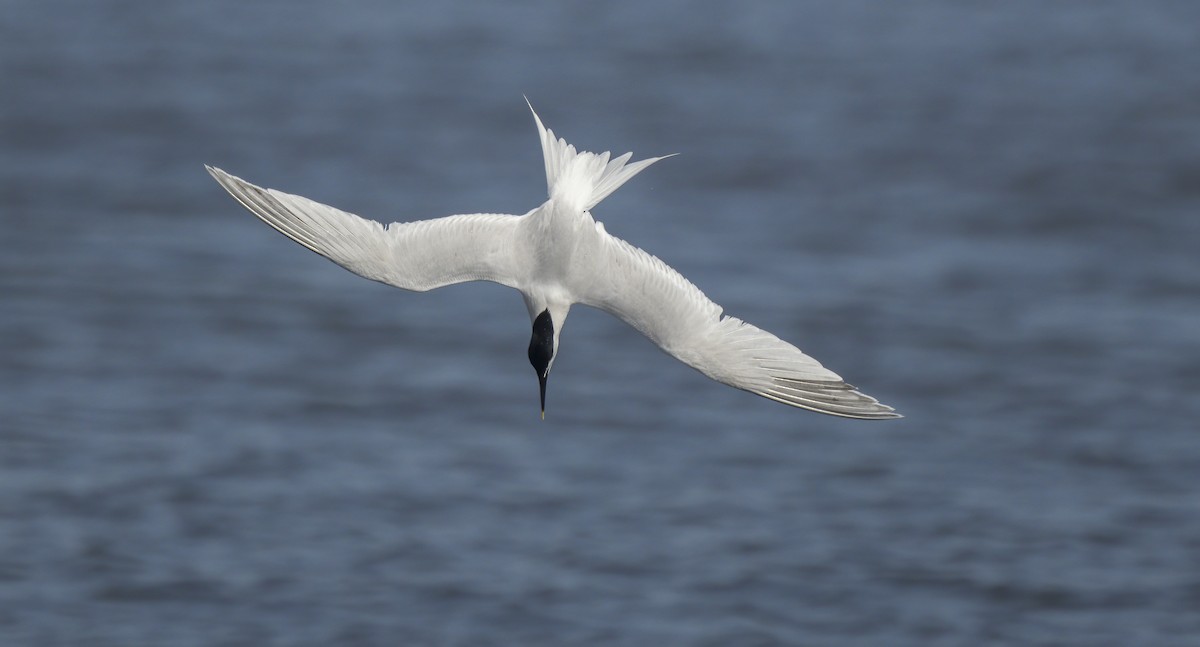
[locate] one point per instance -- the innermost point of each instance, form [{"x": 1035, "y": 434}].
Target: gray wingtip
[
  {"x": 216, "y": 173},
  {"x": 830, "y": 398}
]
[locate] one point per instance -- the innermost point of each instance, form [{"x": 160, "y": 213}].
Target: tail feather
[{"x": 581, "y": 179}]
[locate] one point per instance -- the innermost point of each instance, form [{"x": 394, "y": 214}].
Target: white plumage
[{"x": 557, "y": 255}]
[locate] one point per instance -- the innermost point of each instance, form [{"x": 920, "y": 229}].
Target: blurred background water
[{"x": 985, "y": 214}]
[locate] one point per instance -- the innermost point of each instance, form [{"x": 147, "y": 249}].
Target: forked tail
[{"x": 579, "y": 179}]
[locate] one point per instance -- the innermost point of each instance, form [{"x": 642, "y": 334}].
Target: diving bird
[{"x": 558, "y": 255}]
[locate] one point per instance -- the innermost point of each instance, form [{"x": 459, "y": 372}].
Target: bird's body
[{"x": 557, "y": 255}]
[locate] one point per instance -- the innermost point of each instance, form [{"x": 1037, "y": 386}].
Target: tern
[{"x": 558, "y": 255}]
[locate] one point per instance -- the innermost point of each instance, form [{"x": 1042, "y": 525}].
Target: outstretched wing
[
  {"x": 419, "y": 255},
  {"x": 664, "y": 306}
]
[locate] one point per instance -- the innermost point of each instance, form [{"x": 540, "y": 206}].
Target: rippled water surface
[{"x": 984, "y": 214}]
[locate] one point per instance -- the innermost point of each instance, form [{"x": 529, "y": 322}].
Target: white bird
[{"x": 557, "y": 255}]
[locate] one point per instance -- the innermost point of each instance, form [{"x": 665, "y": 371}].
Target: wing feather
[
  {"x": 419, "y": 255},
  {"x": 664, "y": 306}
]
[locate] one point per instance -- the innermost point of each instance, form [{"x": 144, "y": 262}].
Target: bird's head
[{"x": 543, "y": 346}]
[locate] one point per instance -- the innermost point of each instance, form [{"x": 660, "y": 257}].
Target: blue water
[{"x": 985, "y": 214}]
